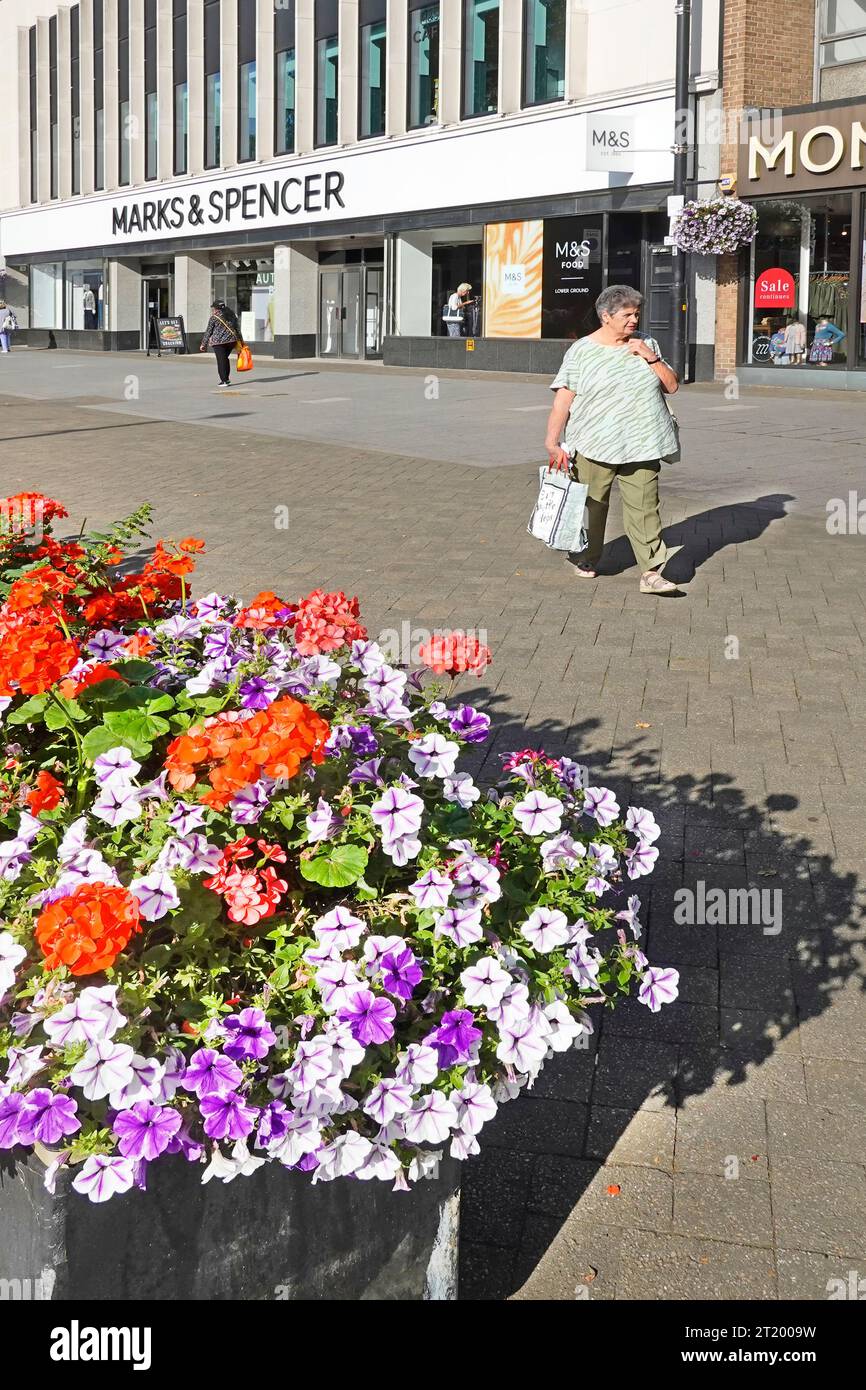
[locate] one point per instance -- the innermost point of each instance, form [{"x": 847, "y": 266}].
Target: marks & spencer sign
[{"x": 231, "y": 205}]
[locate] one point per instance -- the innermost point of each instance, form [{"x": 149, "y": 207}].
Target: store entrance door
[
  {"x": 156, "y": 299},
  {"x": 341, "y": 321},
  {"x": 658, "y": 316}
]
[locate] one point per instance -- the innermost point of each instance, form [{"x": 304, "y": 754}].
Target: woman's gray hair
[{"x": 617, "y": 297}]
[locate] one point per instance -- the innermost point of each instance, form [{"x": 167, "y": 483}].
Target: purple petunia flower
[
  {"x": 601, "y": 803},
  {"x": 249, "y": 1035},
  {"x": 470, "y": 724},
  {"x": 455, "y": 1037},
  {"x": 184, "y": 819},
  {"x": 105, "y": 644},
  {"x": 658, "y": 987},
  {"x": 258, "y": 692},
  {"x": 156, "y": 894},
  {"x": 400, "y": 973},
  {"x": 641, "y": 859},
  {"x": 368, "y": 772},
  {"x": 146, "y": 1130},
  {"x": 251, "y": 802},
  {"x": 11, "y": 1107},
  {"x": 370, "y": 1019},
  {"x": 227, "y": 1116},
  {"x": 103, "y": 1176},
  {"x": 47, "y": 1117},
  {"x": 208, "y": 1072},
  {"x": 539, "y": 814}
]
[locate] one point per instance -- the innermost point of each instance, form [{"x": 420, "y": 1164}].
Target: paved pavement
[{"x": 717, "y": 1150}]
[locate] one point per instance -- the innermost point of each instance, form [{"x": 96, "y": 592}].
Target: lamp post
[{"x": 681, "y": 160}]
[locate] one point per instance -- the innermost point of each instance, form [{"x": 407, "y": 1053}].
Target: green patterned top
[{"x": 618, "y": 414}]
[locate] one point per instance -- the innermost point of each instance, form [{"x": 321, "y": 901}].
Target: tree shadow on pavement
[
  {"x": 628, "y": 1147},
  {"x": 703, "y": 534}
]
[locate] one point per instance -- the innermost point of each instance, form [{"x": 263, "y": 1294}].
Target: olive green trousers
[{"x": 639, "y": 491}]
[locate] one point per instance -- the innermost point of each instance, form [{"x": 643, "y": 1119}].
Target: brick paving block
[
  {"x": 678, "y": 1022},
  {"x": 539, "y": 1125},
  {"x": 770, "y": 1071},
  {"x": 587, "y": 1191},
  {"x": 712, "y": 1128},
  {"x": 635, "y": 1074},
  {"x": 644, "y": 1138},
  {"x": 567, "y": 1076},
  {"x": 744, "y": 1028},
  {"x": 804, "y": 1275},
  {"x": 804, "y": 1132},
  {"x": 486, "y": 1272},
  {"x": 671, "y": 1267},
  {"x": 839, "y": 1084},
  {"x": 747, "y": 982},
  {"x": 723, "y": 1209},
  {"x": 819, "y": 1205},
  {"x": 494, "y": 1196},
  {"x": 581, "y": 1261}
]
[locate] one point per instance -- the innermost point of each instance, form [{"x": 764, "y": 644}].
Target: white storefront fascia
[{"x": 530, "y": 158}]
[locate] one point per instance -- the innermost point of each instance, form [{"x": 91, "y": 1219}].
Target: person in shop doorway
[
  {"x": 609, "y": 403},
  {"x": 222, "y": 335},
  {"x": 452, "y": 315},
  {"x": 8, "y": 325},
  {"x": 825, "y": 340}
]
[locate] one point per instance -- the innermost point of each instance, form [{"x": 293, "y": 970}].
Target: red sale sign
[{"x": 774, "y": 289}]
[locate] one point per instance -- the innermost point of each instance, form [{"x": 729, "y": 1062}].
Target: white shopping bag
[{"x": 557, "y": 517}]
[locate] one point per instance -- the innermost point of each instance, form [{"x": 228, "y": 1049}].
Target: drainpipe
[{"x": 681, "y": 159}]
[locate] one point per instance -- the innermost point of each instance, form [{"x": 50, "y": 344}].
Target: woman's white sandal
[{"x": 653, "y": 583}]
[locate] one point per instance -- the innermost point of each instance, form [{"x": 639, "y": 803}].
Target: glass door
[
  {"x": 340, "y": 316},
  {"x": 373, "y": 312},
  {"x": 351, "y": 292},
  {"x": 156, "y": 296}
]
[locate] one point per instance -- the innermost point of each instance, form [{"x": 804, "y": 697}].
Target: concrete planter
[{"x": 269, "y": 1236}]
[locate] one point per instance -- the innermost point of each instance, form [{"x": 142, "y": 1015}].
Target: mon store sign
[{"x": 822, "y": 147}]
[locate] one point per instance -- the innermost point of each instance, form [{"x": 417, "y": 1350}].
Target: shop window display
[
  {"x": 248, "y": 288},
  {"x": 801, "y": 281}
]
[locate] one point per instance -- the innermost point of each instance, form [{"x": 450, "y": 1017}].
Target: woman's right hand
[{"x": 558, "y": 459}]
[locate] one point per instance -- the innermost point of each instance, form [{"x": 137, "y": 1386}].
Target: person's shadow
[
  {"x": 635, "y": 1138},
  {"x": 702, "y": 535}
]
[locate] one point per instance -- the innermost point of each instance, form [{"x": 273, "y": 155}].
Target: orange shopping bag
[{"x": 245, "y": 359}]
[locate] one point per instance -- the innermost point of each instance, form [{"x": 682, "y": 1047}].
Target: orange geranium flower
[
  {"x": 264, "y": 612},
  {"x": 74, "y": 686},
  {"x": 236, "y": 752},
  {"x": 34, "y": 656},
  {"x": 47, "y": 793},
  {"x": 191, "y": 544},
  {"x": 87, "y": 930},
  {"x": 139, "y": 644}
]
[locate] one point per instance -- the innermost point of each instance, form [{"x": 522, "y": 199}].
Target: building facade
[
  {"x": 333, "y": 169},
  {"x": 795, "y": 301}
]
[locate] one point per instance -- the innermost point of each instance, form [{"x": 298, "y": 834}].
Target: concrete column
[
  {"x": 575, "y": 51},
  {"x": 64, "y": 104},
  {"x": 110, "y": 142},
  {"x": 414, "y": 283},
  {"x": 296, "y": 299},
  {"x": 85, "y": 95},
  {"x": 164, "y": 90},
  {"x": 192, "y": 290},
  {"x": 397, "y": 73},
  {"x": 43, "y": 111},
  {"x": 349, "y": 74},
  {"x": 305, "y": 76},
  {"x": 23, "y": 117},
  {"x": 195, "y": 78},
  {"x": 450, "y": 61},
  {"x": 265, "y": 79},
  {"x": 229, "y": 82},
  {"x": 124, "y": 296},
  {"x": 510, "y": 56},
  {"x": 136, "y": 92}
]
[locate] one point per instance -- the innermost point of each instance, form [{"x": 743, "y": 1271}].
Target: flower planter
[{"x": 270, "y": 1236}]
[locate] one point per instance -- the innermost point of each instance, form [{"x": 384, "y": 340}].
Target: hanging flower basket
[
  {"x": 252, "y": 909},
  {"x": 715, "y": 227}
]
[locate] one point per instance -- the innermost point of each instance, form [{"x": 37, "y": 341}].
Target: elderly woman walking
[{"x": 610, "y": 404}]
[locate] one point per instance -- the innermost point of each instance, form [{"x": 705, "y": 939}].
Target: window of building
[
  {"x": 423, "y": 65},
  {"x": 800, "y": 315},
  {"x": 98, "y": 108},
  {"x": 75, "y": 95},
  {"x": 85, "y": 297},
  {"x": 247, "y": 286},
  {"x": 480, "y": 57},
  {"x": 181, "y": 87},
  {"x": 453, "y": 265},
  {"x": 46, "y": 294},
  {"x": 284, "y": 79},
  {"x": 151, "y": 112},
  {"x": 327, "y": 73},
  {"x": 123, "y": 117},
  {"x": 373, "y": 49},
  {"x": 246, "y": 80},
  {"x": 52, "y": 105},
  {"x": 34, "y": 144},
  {"x": 212, "y": 93},
  {"x": 543, "y": 51},
  {"x": 843, "y": 31}
]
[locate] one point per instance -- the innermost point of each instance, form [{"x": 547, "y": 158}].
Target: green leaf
[
  {"x": 138, "y": 725},
  {"x": 138, "y": 672},
  {"x": 102, "y": 739},
  {"x": 29, "y": 712},
  {"x": 337, "y": 869},
  {"x": 286, "y": 817},
  {"x": 64, "y": 714}
]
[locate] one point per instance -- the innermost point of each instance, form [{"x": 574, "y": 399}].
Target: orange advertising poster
[{"x": 512, "y": 279}]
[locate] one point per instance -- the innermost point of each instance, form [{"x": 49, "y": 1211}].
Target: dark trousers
[{"x": 221, "y": 353}]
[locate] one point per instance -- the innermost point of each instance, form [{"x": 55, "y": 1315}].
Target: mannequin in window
[
  {"x": 825, "y": 340},
  {"x": 795, "y": 341},
  {"x": 89, "y": 305}
]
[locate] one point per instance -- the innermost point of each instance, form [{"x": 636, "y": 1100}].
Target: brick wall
[{"x": 769, "y": 52}]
